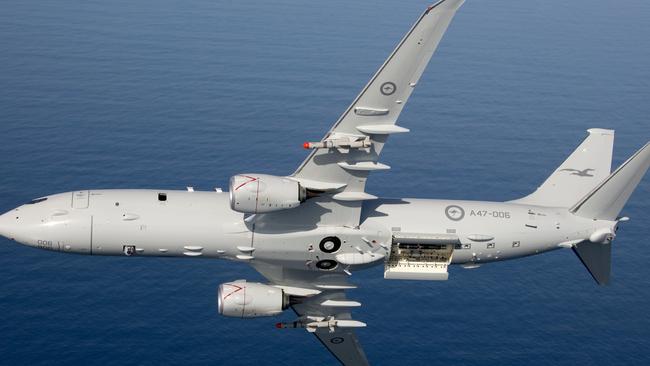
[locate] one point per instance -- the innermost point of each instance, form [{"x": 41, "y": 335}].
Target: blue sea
[{"x": 168, "y": 94}]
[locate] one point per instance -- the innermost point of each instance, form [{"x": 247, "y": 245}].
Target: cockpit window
[{"x": 37, "y": 200}]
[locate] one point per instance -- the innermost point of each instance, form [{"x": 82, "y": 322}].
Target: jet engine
[
  {"x": 241, "y": 299},
  {"x": 261, "y": 193}
]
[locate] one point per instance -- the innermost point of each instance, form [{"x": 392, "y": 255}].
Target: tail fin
[
  {"x": 606, "y": 201},
  {"x": 587, "y": 166}
]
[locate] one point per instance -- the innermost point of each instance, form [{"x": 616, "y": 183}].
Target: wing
[
  {"x": 341, "y": 342},
  {"x": 342, "y": 160},
  {"x": 319, "y": 300}
]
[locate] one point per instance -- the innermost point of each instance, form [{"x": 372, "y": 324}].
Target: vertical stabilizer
[
  {"x": 606, "y": 201},
  {"x": 587, "y": 166}
]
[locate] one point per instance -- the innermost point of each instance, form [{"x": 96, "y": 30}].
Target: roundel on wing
[{"x": 388, "y": 88}]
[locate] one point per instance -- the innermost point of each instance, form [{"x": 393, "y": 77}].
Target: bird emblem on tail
[{"x": 580, "y": 173}]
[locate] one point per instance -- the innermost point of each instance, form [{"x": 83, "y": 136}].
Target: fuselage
[{"x": 202, "y": 225}]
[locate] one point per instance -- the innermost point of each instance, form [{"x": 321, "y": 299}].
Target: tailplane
[
  {"x": 588, "y": 165},
  {"x": 607, "y": 199},
  {"x": 597, "y": 258},
  {"x": 605, "y": 202}
]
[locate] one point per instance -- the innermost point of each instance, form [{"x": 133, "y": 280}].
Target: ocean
[{"x": 167, "y": 94}]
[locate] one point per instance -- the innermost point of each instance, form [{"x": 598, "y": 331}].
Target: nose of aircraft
[{"x": 7, "y": 224}]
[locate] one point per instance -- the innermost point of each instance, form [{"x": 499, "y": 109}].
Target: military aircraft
[{"x": 308, "y": 231}]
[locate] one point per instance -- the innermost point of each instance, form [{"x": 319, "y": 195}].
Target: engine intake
[
  {"x": 261, "y": 193},
  {"x": 241, "y": 299}
]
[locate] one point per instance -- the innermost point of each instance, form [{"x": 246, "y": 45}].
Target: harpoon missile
[
  {"x": 314, "y": 323},
  {"x": 347, "y": 142}
]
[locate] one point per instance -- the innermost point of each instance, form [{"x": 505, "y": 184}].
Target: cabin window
[
  {"x": 37, "y": 200},
  {"x": 162, "y": 197}
]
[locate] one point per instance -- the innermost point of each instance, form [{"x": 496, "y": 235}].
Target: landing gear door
[{"x": 80, "y": 199}]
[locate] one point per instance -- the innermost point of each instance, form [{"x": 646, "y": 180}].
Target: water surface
[{"x": 165, "y": 94}]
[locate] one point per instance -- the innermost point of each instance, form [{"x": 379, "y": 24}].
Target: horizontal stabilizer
[
  {"x": 597, "y": 258},
  {"x": 606, "y": 201}
]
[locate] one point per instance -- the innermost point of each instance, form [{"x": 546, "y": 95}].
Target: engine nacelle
[
  {"x": 243, "y": 299},
  {"x": 261, "y": 193}
]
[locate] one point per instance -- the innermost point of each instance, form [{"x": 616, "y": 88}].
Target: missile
[
  {"x": 296, "y": 324},
  {"x": 351, "y": 142},
  {"x": 330, "y": 323}
]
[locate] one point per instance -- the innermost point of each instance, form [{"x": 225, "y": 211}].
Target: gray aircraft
[{"x": 307, "y": 232}]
